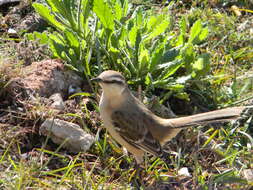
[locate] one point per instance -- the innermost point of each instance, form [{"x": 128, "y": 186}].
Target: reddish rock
[{"x": 44, "y": 78}]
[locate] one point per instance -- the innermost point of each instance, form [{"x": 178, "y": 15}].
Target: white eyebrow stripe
[
  {"x": 114, "y": 79},
  {"x": 117, "y": 76}
]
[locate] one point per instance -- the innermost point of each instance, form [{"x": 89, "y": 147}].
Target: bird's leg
[
  {"x": 167, "y": 161},
  {"x": 137, "y": 178}
]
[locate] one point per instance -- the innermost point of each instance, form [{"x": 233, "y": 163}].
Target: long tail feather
[{"x": 222, "y": 115}]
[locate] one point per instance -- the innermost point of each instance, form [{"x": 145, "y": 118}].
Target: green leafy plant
[
  {"x": 144, "y": 47},
  {"x": 72, "y": 40},
  {"x": 141, "y": 44}
]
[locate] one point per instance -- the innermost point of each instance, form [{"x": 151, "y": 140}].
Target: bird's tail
[{"x": 222, "y": 115}]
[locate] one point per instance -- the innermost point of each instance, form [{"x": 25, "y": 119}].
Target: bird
[{"x": 139, "y": 130}]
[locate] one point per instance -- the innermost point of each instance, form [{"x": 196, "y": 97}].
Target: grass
[{"x": 215, "y": 157}]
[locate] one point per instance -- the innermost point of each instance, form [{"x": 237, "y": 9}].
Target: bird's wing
[{"x": 133, "y": 129}]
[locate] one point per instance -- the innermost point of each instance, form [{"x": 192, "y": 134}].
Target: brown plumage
[{"x": 137, "y": 128}]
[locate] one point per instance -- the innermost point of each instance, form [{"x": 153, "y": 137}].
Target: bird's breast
[{"x": 105, "y": 111}]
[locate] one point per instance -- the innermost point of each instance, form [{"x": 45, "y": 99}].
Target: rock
[
  {"x": 184, "y": 172},
  {"x": 44, "y": 78},
  {"x": 57, "y": 101},
  {"x": 248, "y": 174},
  {"x": 236, "y": 10},
  {"x": 12, "y": 31},
  {"x": 21, "y": 17},
  {"x": 73, "y": 137}
]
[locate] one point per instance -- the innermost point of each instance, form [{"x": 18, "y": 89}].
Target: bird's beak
[{"x": 97, "y": 79}]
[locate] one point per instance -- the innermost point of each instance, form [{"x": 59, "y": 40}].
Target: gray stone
[
  {"x": 73, "y": 137},
  {"x": 248, "y": 174},
  {"x": 57, "y": 101}
]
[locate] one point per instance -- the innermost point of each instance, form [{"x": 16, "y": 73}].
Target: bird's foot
[
  {"x": 137, "y": 180},
  {"x": 167, "y": 160}
]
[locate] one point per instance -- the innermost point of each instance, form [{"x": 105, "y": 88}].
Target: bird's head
[{"x": 112, "y": 82}]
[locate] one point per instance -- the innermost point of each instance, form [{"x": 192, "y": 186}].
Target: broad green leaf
[
  {"x": 70, "y": 7},
  {"x": 132, "y": 35},
  {"x": 157, "y": 25},
  {"x": 83, "y": 44},
  {"x": 114, "y": 39},
  {"x": 183, "y": 28},
  {"x": 180, "y": 40},
  {"x": 143, "y": 60},
  {"x": 157, "y": 56},
  {"x": 73, "y": 57},
  {"x": 148, "y": 79},
  {"x": 155, "y": 44},
  {"x": 137, "y": 45},
  {"x": 86, "y": 8},
  {"x": 203, "y": 35},
  {"x": 195, "y": 30},
  {"x": 153, "y": 21},
  {"x": 57, "y": 38},
  {"x": 159, "y": 29},
  {"x": 118, "y": 10},
  {"x": 160, "y": 83},
  {"x": 42, "y": 36},
  {"x": 171, "y": 54},
  {"x": 87, "y": 60},
  {"x": 132, "y": 66},
  {"x": 183, "y": 79},
  {"x": 30, "y": 36},
  {"x": 72, "y": 40},
  {"x": 125, "y": 8},
  {"x": 187, "y": 54},
  {"x": 139, "y": 18},
  {"x": 198, "y": 65},
  {"x": 104, "y": 13},
  {"x": 123, "y": 68},
  {"x": 55, "y": 5},
  {"x": 64, "y": 7},
  {"x": 170, "y": 68},
  {"x": 58, "y": 46},
  {"x": 175, "y": 87},
  {"x": 47, "y": 15},
  {"x": 168, "y": 64},
  {"x": 57, "y": 49},
  {"x": 113, "y": 50},
  {"x": 69, "y": 66},
  {"x": 202, "y": 62},
  {"x": 169, "y": 85},
  {"x": 202, "y": 65},
  {"x": 182, "y": 96},
  {"x": 183, "y": 25},
  {"x": 122, "y": 37}
]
